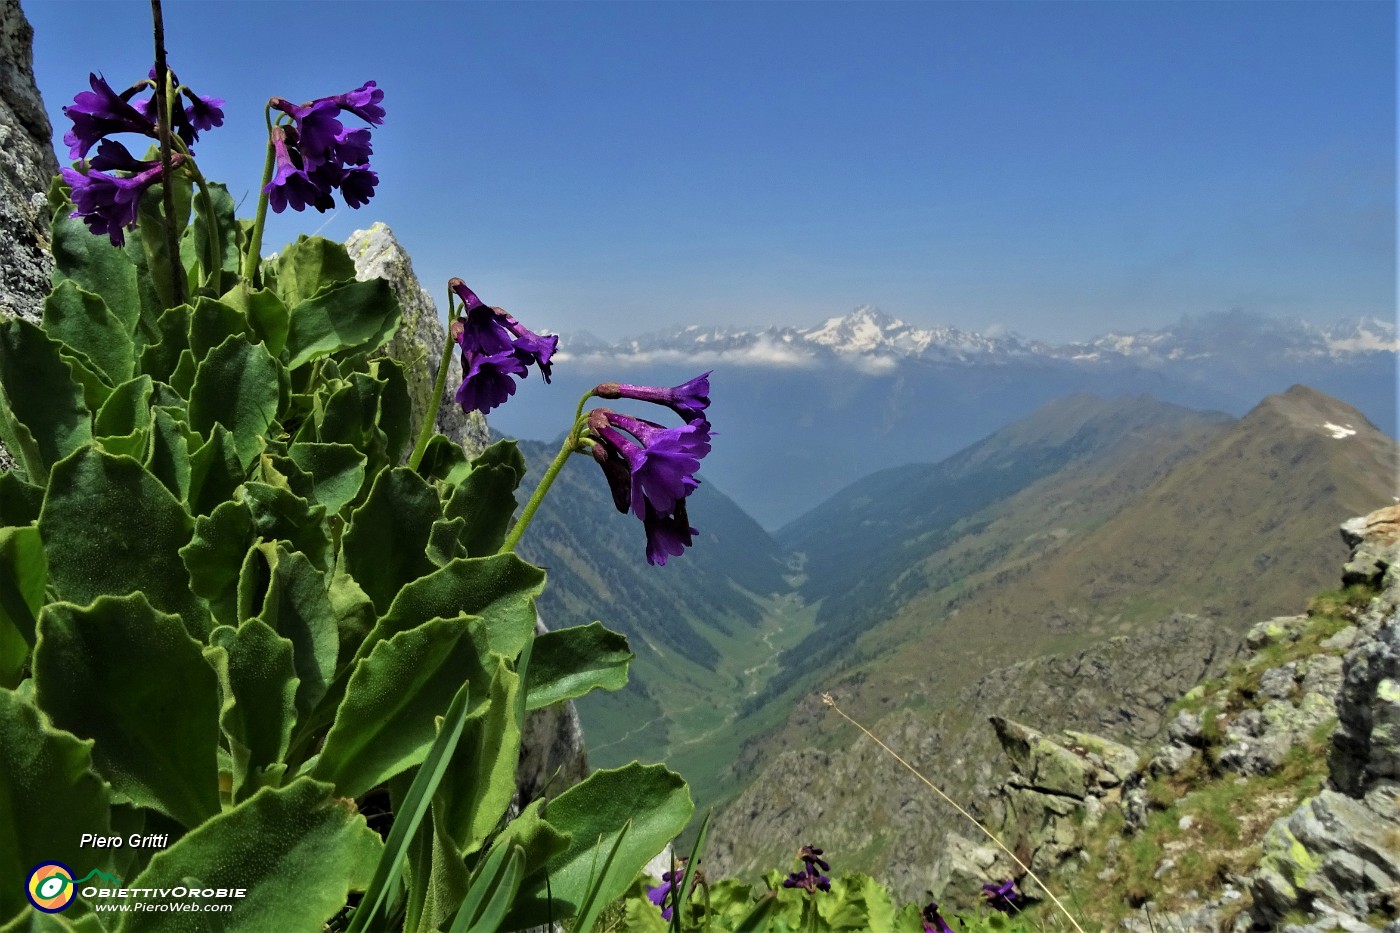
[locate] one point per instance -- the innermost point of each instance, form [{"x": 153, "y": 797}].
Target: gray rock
[
  {"x": 1278, "y": 682},
  {"x": 27, "y": 163},
  {"x": 1187, "y": 729},
  {"x": 419, "y": 342},
  {"x": 1170, "y": 759}
]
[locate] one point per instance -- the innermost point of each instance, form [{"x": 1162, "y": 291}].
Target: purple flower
[
  {"x": 291, "y": 184},
  {"x": 652, "y": 471},
  {"x": 328, "y": 156},
  {"x": 689, "y": 399},
  {"x": 933, "y": 920},
  {"x": 664, "y": 464},
  {"x": 1003, "y": 896},
  {"x": 488, "y": 382},
  {"x": 99, "y": 113},
  {"x": 659, "y": 894},
  {"x": 495, "y": 346},
  {"x": 108, "y": 203},
  {"x": 668, "y": 535},
  {"x": 808, "y": 879}
]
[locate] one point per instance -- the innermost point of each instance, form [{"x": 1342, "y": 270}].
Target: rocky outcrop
[
  {"x": 1331, "y": 863},
  {"x": 1338, "y": 855},
  {"x": 27, "y": 163}
]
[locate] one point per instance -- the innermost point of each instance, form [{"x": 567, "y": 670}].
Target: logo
[{"x": 50, "y": 887}]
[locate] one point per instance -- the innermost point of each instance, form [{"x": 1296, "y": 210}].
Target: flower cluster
[
  {"x": 108, "y": 203},
  {"x": 809, "y": 877},
  {"x": 1003, "y": 896},
  {"x": 496, "y": 348},
  {"x": 315, "y": 155},
  {"x": 650, "y": 468}
]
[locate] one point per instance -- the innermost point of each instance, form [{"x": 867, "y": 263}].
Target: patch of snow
[{"x": 1339, "y": 431}]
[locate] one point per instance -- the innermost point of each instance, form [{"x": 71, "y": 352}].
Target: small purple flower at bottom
[
  {"x": 808, "y": 879},
  {"x": 1003, "y": 896},
  {"x": 495, "y": 346},
  {"x": 659, "y": 894},
  {"x": 109, "y": 203},
  {"x": 933, "y": 920}
]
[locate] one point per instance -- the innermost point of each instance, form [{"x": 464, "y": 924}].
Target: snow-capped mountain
[{"x": 868, "y": 334}]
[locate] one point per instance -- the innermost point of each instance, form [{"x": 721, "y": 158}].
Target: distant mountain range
[
  {"x": 869, "y": 339},
  {"x": 802, "y": 412}
]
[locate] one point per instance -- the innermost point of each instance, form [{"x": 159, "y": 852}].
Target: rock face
[
  {"x": 27, "y": 163},
  {"x": 1339, "y": 853}
]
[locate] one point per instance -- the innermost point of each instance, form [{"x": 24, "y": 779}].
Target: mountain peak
[
  {"x": 1311, "y": 412},
  {"x": 865, "y": 328}
]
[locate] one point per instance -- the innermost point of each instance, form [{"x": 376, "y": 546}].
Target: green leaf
[
  {"x": 122, "y": 673},
  {"x": 309, "y": 265},
  {"x": 239, "y": 386},
  {"x": 212, "y": 322},
  {"x": 159, "y": 359},
  {"x": 297, "y": 605},
  {"x": 409, "y": 816},
  {"x": 570, "y": 662},
  {"x": 127, "y": 410},
  {"x": 761, "y": 917},
  {"x": 401, "y": 508},
  {"x": 214, "y": 558},
  {"x": 385, "y": 723},
  {"x": 168, "y": 456},
  {"x": 492, "y": 888},
  {"x": 258, "y": 676},
  {"x": 99, "y": 267},
  {"x": 486, "y": 498},
  {"x": 19, "y": 501},
  {"x": 44, "y": 415},
  {"x": 353, "y": 316},
  {"x": 32, "y": 921},
  {"x": 82, "y": 320},
  {"x": 297, "y": 852},
  {"x": 110, "y": 527},
  {"x": 501, "y": 589},
  {"x": 281, "y": 515},
  {"x": 337, "y": 472},
  {"x": 214, "y": 472},
  {"x": 267, "y": 315},
  {"x": 395, "y": 417},
  {"x": 593, "y": 813},
  {"x": 542, "y": 842},
  {"x": 605, "y": 877},
  {"x": 444, "y": 460},
  {"x": 50, "y": 796},
  {"x": 478, "y": 787},
  {"x": 23, "y": 576}
]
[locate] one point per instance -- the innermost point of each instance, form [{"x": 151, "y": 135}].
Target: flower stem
[
  {"x": 570, "y": 446},
  {"x": 425, "y": 433},
  {"x": 254, "y": 257},
  {"x": 172, "y": 239}
]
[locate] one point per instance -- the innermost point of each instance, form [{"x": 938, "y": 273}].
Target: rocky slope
[{"x": 1273, "y": 805}]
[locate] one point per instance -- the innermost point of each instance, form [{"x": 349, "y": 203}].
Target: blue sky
[{"x": 1057, "y": 169}]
